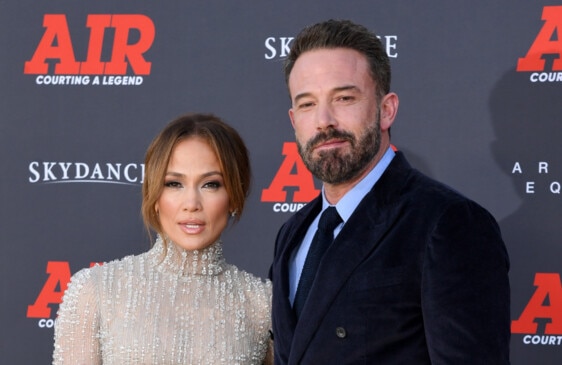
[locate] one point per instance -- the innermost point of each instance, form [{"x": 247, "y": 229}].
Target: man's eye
[
  {"x": 346, "y": 98},
  {"x": 305, "y": 105}
]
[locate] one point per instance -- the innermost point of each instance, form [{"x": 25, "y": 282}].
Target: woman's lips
[{"x": 192, "y": 227}]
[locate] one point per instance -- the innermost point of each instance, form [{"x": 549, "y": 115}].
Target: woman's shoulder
[
  {"x": 98, "y": 271},
  {"x": 250, "y": 280}
]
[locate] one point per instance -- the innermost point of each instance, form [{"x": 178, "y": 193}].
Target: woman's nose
[{"x": 191, "y": 200}]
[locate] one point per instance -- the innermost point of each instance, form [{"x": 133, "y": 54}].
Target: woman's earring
[{"x": 233, "y": 213}]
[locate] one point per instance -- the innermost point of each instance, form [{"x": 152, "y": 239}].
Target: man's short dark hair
[{"x": 343, "y": 34}]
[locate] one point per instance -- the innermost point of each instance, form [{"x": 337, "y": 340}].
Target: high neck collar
[{"x": 172, "y": 259}]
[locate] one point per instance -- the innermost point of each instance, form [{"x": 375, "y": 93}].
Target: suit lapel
[{"x": 293, "y": 238}]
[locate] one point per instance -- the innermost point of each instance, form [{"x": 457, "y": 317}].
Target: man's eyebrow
[
  {"x": 345, "y": 88},
  {"x": 300, "y": 96},
  {"x": 335, "y": 90}
]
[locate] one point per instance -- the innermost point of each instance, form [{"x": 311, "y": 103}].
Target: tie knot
[{"x": 329, "y": 219}]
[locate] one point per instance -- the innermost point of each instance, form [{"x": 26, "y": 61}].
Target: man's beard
[{"x": 336, "y": 167}]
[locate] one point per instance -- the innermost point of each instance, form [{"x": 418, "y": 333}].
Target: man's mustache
[{"x": 330, "y": 134}]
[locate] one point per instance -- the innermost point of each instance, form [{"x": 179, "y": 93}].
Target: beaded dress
[{"x": 165, "y": 306}]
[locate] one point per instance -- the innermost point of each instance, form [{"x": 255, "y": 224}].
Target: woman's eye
[
  {"x": 172, "y": 184},
  {"x": 212, "y": 185}
]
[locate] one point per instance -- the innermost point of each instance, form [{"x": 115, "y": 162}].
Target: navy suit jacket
[{"x": 417, "y": 275}]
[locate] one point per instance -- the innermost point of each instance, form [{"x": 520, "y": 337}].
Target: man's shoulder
[{"x": 420, "y": 189}]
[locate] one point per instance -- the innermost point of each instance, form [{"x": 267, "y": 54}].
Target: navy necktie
[{"x": 322, "y": 240}]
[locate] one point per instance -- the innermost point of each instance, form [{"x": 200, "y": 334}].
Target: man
[{"x": 417, "y": 273}]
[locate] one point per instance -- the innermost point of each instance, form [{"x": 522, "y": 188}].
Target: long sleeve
[
  {"x": 77, "y": 324},
  {"x": 465, "y": 289}
]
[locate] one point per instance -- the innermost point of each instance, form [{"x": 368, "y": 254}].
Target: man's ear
[
  {"x": 291, "y": 116},
  {"x": 389, "y": 109}
]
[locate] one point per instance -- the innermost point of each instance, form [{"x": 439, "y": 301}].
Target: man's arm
[{"x": 465, "y": 289}]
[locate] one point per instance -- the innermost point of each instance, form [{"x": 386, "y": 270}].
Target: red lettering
[
  {"x": 56, "y": 44},
  {"x": 303, "y": 179},
  {"x": 97, "y": 24},
  {"x": 56, "y": 27},
  {"x": 548, "y": 287},
  {"x": 134, "y": 52},
  {"x": 59, "y": 275},
  {"x": 548, "y": 41}
]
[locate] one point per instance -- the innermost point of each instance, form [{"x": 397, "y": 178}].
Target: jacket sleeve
[{"x": 465, "y": 289}]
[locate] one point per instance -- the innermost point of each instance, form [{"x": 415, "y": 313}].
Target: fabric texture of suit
[{"x": 417, "y": 275}]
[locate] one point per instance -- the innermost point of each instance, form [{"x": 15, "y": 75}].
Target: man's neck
[{"x": 334, "y": 192}]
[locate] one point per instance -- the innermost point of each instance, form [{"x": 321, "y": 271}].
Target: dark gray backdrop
[{"x": 466, "y": 117}]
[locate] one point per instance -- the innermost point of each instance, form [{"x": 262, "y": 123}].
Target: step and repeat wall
[{"x": 85, "y": 86}]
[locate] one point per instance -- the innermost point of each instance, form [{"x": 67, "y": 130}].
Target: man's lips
[{"x": 331, "y": 143}]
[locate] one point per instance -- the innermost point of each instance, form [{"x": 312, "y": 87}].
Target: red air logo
[
  {"x": 547, "y": 46},
  {"x": 544, "y": 308},
  {"x": 128, "y": 36},
  {"x": 293, "y": 175},
  {"x": 51, "y": 293}
]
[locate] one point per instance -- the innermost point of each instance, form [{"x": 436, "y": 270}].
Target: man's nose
[{"x": 325, "y": 117}]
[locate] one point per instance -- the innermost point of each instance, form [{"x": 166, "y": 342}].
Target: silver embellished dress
[{"x": 165, "y": 306}]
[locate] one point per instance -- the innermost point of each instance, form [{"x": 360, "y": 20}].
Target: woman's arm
[{"x": 77, "y": 323}]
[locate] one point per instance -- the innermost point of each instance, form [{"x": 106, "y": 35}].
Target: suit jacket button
[{"x": 340, "y": 332}]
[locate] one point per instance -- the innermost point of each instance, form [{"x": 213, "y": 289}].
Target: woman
[{"x": 180, "y": 302}]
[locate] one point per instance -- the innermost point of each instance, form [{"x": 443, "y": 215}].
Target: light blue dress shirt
[{"x": 345, "y": 208}]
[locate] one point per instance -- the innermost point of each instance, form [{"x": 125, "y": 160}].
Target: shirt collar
[{"x": 351, "y": 199}]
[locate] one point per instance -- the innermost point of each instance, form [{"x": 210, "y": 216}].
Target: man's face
[{"x": 335, "y": 113}]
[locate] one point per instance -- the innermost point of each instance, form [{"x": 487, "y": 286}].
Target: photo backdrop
[{"x": 85, "y": 86}]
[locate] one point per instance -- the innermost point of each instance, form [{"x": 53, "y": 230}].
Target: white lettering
[
  {"x": 391, "y": 42},
  {"x": 46, "y": 323},
  {"x": 542, "y": 340},
  {"x": 122, "y": 80},
  {"x": 126, "y": 172},
  {"x": 287, "y": 207},
  {"x": 82, "y": 170},
  {"x": 115, "y": 171},
  {"x": 269, "y": 46},
  {"x": 34, "y": 172},
  {"x": 96, "y": 172},
  {"x": 285, "y": 48},
  {"x": 53, "y": 172},
  {"x": 47, "y": 173},
  {"x": 530, "y": 187},
  {"x": 546, "y": 77},
  {"x": 65, "y": 167},
  {"x": 62, "y": 80}
]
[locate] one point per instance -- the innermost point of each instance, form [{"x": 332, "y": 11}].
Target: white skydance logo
[
  {"x": 279, "y": 47},
  {"x": 81, "y": 172}
]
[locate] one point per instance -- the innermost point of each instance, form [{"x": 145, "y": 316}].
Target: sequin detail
[{"x": 165, "y": 306}]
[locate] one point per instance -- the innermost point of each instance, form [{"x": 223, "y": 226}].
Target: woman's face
[{"x": 194, "y": 206}]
